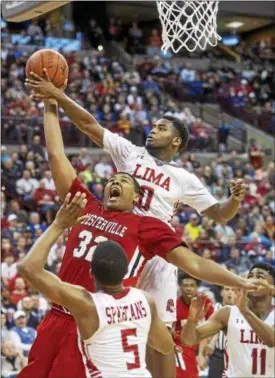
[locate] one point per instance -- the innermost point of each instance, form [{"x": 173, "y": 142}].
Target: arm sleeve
[
  {"x": 118, "y": 147},
  {"x": 156, "y": 238},
  {"x": 196, "y": 195},
  {"x": 78, "y": 187}
]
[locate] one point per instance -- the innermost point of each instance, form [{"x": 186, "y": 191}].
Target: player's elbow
[{"x": 24, "y": 269}]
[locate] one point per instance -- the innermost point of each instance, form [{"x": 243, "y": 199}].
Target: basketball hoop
[{"x": 189, "y": 24}]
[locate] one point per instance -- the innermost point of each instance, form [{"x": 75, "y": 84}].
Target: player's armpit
[{"x": 159, "y": 337}]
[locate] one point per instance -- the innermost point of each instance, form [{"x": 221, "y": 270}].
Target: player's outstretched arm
[
  {"x": 75, "y": 298},
  {"x": 206, "y": 270},
  {"x": 223, "y": 212},
  {"x": 84, "y": 121},
  {"x": 159, "y": 337},
  {"x": 61, "y": 168},
  {"x": 264, "y": 331},
  {"x": 191, "y": 333}
]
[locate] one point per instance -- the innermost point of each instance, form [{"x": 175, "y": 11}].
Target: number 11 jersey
[{"x": 246, "y": 356}]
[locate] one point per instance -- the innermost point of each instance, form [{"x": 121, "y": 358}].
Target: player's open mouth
[{"x": 115, "y": 193}]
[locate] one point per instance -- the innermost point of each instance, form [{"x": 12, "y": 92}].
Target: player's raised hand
[
  {"x": 69, "y": 213},
  {"x": 241, "y": 299},
  {"x": 198, "y": 310},
  {"x": 42, "y": 88},
  {"x": 238, "y": 189}
]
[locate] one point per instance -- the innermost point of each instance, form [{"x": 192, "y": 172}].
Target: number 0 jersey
[
  {"x": 163, "y": 184},
  {"x": 246, "y": 355},
  {"x": 141, "y": 237},
  {"x": 118, "y": 347}
]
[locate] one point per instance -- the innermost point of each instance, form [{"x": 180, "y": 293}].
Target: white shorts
[{"x": 159, "y": 279}]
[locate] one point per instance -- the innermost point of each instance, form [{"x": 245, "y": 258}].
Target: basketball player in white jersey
[
  {"x": 117, "y": 322},
  {"x": 249, "y": 328},
  {"x": 164, "y": 184}
]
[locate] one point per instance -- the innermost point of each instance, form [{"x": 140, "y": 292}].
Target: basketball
[{"x": 53, "y": 61}]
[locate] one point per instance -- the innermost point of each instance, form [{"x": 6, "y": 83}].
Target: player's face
[
  {"x": 228, "y": 296},
  {"x": 259, "y": 274},
  {"x": 119, "y": 193},
  {"x": 162, "y": 135},
  {"x": 188, "y": 289}
]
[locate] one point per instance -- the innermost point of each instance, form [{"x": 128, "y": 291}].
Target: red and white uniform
[
  {"x": 246, "y": 355},
  {"x": 186, "y": 360},
  {"x": 55, "y": 352},
  {"x": 118, "y": 348},
  {"x": 163, "y": 185}
]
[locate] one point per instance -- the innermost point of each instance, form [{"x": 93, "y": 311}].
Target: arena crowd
[{"x": 127, "y": 102}]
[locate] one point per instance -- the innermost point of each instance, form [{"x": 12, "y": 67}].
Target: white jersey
[
  {"x": 164, "y": 185},
  {"x": 118, "y": 348},
  {"x": 247, "y": 357}
]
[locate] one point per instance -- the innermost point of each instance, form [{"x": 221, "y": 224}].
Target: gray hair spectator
[{"x": 12, "y": 361}]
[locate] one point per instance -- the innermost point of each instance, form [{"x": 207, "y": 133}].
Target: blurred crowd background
[{"x": 120, "y": 75}]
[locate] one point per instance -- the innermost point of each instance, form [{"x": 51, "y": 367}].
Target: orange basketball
[{"x": 54, "y": 62}]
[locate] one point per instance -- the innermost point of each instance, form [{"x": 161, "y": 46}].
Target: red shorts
[
  {"x": 55, "y": 352},
  {"x": 186, "y": 363}
]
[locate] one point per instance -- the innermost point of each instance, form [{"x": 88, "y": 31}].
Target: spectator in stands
[
  {"x": 39, "y": 306},
  {"x": 27, "y": 307},
  {"x": 84, "y": 157},
  {"x": 8, "y": 268},
  {"x": 26, "y": 186},
  {"x": 19, "y": 291},
  {"x": 187, "y": 73},
  {"x": 22, "y": 335},
  {"x": 103, "y": 167},
  {"x": 48, "y": 181},
  {"x": 135, "y": 35},
  {"x": 154, "y": 43},
  {"x": 10, "y": 176},
  {"x": 15, "y": 208},
  {"x": 124, "y": 123},
  {"x": 36, "y": 147},
  {"x": 95, "y": 33},
  {"x": 5, "y": 333},
  {"x": 193, "y": 228},
  {"x": 6, "y": 302},
  {"x": 45, "y": 201},
  {"x": 13, "y": 361},
  {"x": 34, "y": 30},
  {"x": 240, "y": 263},
  {"x": 35, "y": 223}
]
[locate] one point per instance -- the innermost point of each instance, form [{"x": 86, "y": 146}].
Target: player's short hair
[
  {"x": 109, "y": 263},
  {"x": 182, "y": 276},
  {"x": 136, "y": 184},
  {"x": 264, "y": 266},
  {"x": 181, "y": 129}
]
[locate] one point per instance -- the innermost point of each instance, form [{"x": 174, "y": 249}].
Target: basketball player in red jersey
[
  {"x": 164, "y": 184},
  {"x": 186, "y": 359},
  {"x": 126, "y": 315},
  {"x": 141, "y": 237}
]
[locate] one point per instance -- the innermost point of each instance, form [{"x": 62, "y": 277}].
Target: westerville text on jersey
[{"x": 149, "y": 174}]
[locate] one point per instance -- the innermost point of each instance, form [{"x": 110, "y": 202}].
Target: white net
[{"x": 189, "y": 24}]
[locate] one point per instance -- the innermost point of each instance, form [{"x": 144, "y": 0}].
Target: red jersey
[
  {"x": 187, "y": 362},
  {"x": 141, "y": 237}
]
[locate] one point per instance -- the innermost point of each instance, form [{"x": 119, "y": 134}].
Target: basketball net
[{"x": 189, "y": 24}]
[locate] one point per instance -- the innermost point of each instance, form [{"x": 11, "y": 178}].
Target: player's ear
[
  {"x": 136, "y": 199},
  {"x": 177, "y": 141}
]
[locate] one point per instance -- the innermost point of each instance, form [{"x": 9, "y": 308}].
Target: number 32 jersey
[
  {"x": 163, "y": 184},
  {"x": 141, "y": 237}
]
